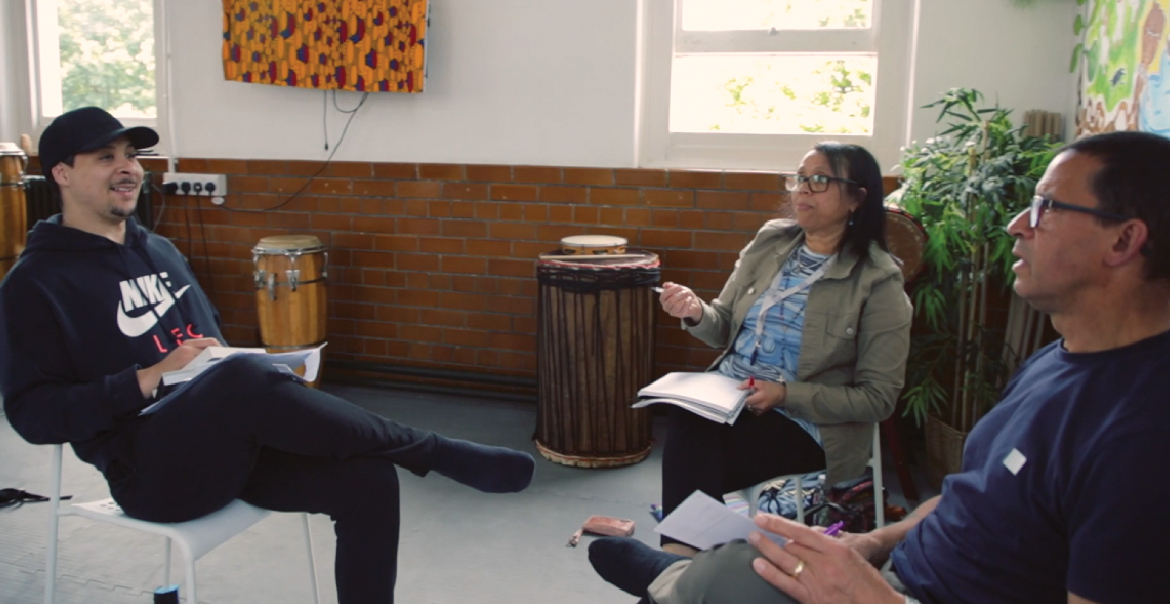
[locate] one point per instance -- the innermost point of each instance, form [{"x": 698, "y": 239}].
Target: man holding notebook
[
  {"x": 1060, "y": 482},
  {"x": 98, "y": 308}
]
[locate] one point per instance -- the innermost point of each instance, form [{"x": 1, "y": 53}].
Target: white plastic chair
[
  {"x": 752, "y": 494},
  {"x": 194, "y": 538}
]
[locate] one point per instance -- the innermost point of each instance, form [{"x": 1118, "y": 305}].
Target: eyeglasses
[
  {"x": 1041, "y": 204},
  {"x": 817, "y": 183}
]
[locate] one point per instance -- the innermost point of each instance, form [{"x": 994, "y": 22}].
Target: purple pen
[{"x": 834, "y": 529}]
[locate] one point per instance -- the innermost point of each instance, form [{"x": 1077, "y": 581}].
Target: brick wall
[{"x": 432, "y": 265}]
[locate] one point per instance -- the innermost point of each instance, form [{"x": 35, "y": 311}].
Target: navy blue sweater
[{"x": 79, "y": 315}]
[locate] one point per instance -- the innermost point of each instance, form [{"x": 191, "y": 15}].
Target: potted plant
[{"x": 964, "y": 186}]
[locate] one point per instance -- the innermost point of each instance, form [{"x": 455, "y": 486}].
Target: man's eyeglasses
[
  {"x": 817, "y": 183},
  {"x": 1041, "y": 204}
]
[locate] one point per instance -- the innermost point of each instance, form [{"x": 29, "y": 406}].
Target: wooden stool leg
[{"x": 893, "y": 439}]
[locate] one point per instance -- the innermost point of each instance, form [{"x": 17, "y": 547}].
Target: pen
[
  {"x": 657, "y": 290},
  {"x": 834, "y": 529},
  {"x": 751, "y": 382}
]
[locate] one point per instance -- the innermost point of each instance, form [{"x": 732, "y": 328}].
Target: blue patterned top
[{"x": 779, "y": 350}]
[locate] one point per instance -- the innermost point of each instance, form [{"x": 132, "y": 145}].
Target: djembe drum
[
  {"x": 907, "y": 241},
  {"x": 290, "y": 276},
  {"x": 595, "y": 350},
  {"x": 13, "y": 213}
]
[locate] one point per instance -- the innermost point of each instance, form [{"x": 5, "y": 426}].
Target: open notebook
[{"x": 708, "y": 394}]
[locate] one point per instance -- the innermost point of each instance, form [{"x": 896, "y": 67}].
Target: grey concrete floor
[{"x": 457, "y": 546}]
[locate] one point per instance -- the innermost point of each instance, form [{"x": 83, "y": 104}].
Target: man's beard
[{"x": 123, "y": 213}]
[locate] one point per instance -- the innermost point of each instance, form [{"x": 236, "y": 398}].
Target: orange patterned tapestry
[{"x": 366, "y": 45}]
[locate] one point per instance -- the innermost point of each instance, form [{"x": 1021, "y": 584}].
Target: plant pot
[{"x": 944, "y": 450}]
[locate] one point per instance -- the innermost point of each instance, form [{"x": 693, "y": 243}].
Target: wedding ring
[{"x": 799, "y": 569}]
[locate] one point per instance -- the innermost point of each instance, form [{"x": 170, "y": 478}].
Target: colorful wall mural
[
  {"x": 1124, "y": 63},
  {"x": 366, "y": 45}
]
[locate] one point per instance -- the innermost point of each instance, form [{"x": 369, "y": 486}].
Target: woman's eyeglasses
[
  {"x": 817, "y": 183},
  {"x": 1041, "y": 204}
]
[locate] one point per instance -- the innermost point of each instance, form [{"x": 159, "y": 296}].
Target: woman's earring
[{"x": 850, "y": 218}]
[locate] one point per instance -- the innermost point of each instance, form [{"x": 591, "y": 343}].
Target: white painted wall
[
  {"x": 510, "y": 81},
  {"x": 1016, "y": 53},
  {"x": 542, "y": 82}
]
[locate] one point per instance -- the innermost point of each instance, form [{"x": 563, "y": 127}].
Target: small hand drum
[{"x": 595, "y": 245}]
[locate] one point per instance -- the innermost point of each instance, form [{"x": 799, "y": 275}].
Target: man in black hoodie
[{"x": 98, "y": 308}]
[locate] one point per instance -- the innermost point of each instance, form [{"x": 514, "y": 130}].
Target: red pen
[{"x": 751, "y": 382}]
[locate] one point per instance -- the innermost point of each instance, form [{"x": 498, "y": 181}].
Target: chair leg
[
  {"x": 800, "y": 498},
  {"x": 312, "y": 563},
  {"x": 54, "y": 525},
  {"x": 879, "y": 498},
  {"x": 893, "y": 437},
  {"x": 191, "y": 597},
  {"x": 167, "y": 561}
]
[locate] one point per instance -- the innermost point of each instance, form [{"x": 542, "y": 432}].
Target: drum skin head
[{"x": 277, "y": 244}]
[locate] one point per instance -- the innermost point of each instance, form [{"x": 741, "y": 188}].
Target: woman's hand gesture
[{"x": 680, "y": 302}]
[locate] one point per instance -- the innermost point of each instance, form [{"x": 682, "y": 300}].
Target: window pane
[
  {"x": 107, "y": 55},
  {"x": 773, "y": 94},
  {"x": 730, "y": 15}
]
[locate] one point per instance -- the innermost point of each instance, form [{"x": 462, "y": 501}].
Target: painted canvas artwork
[
  {"x": 1124, "y": 64},
  {"x": 363, "y": 45}
]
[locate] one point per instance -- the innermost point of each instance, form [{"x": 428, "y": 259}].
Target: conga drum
[
  {"x": 907, "y": 241},
  {"x": 13, "y": 213},
  {"x": 595, "y": 350},
  {"x": 290, "y": 273}
]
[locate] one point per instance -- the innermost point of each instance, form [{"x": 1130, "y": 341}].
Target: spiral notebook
[{"x": 712, "y": 395}]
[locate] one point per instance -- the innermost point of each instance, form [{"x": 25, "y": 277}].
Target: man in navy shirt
[{"x": 1063, "y": 482}]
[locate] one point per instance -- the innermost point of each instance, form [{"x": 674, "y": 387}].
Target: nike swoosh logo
[{"x": 136, "y": 326}]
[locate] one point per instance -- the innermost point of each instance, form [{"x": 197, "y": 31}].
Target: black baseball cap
[{"x": 86, "y": 129}]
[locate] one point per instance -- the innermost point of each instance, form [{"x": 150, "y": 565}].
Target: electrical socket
[{"x": 219, "y": 181}]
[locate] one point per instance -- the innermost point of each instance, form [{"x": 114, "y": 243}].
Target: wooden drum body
[
  {"x": 13, "y": 213},
  {"x": 290, "y": 276},
  {"x": 907, "y": 241},
  {"x": 595, "y": 350}
]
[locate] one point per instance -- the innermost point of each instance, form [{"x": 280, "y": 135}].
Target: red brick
[
  {"x": 690, "y": 219},
  {"x": 420, "y": 333},
  {"x": 464, "y": 228},
  {"x": 559, "y": 213},
  {"x": 664, "y": 218},
  {"x": 437, "y": 282},
  {"x": 439, "y": 209},
  {"x": 524, "y": 249},
  {"x": 395, "y": 170},
  {"x": 225, "y": 166},
  {"x": 691, "y": 259},
  {"x": 511, "y": 211},
  {"x": 192, "y": 164},
  {"x": 445, "y": 318},
  {"x": 666, "y": 197},
  {"x": 614, "y": 197},
  {"x": 281, "y": 184},
  {"x": 633, "y": 217},
  {"x": 768, "y": 202},
  {"x": 464, "y": 265},
  {"x": 562, "y": 194},
  {"x": 441, "y": 171},
  {"x": 420, "y": 226},
  {"x": 465, "y": 191},
  {"x": 752, "y": 181},
  {"x": 695, "y": 179},
  {"x": 747, "y": 222},
  {"x": 513, "y": 341},
  {"x": 489, "y": 322},
  {"x": 536, "y": 174},
  {"x": 350, "y": 169},
  {"x": 488, "y": 247},
  {"x": 243, "y": 184},
  {"x": 375, "y": 224},
  {"x": 512, "y": 231},
  {"x": 374, "y": 259},
  {"x": 465, "y": 337},
  {"x": 440, "y": 245},
  {"x": 374, "y": 188},
  {"x": 418, "y": 262},
  {"x": 536, "y": 213},
  {"x": 721, "y": 241},
  {"x": 461, "y": 301},
  {"x": 463, "y": 209},
  {"x": 489, "y": 173},
  {"x": 511, "y": 267},
  {"x": 585, "y": 215},
  {"x": 463, "y": 282},
  {"x": 717, "y": 221},
  {"x": 513, "y": 192},
  {"x": 266, "y": 166},
  {"x": 588, "y": 176},
  {"x": 721, "y": 200},
  {"x": 640, "y": 177},
  {"x": 662, "y": 238},
  {"x": 419, "y": 189},
  {"x": 288, "y": 220},
  {"x": 332, "y": 222},
  {"x": 305, "y": 168},
  {"x": 331, "y": 186}
]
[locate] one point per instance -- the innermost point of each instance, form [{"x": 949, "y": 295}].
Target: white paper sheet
[{"x": 705, "y": 522}]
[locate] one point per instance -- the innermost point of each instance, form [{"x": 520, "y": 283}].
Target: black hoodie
[{"x": 79, "y": 315}]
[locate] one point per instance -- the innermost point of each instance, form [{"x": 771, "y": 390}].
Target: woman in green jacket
[{"x": 815, "y": 321}]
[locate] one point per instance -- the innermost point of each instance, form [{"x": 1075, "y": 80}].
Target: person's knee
[
  {"x": 372, "y": 482},
  {"x": 725, "y": 575}
]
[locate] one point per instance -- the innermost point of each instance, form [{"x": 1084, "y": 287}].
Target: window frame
[
  {"x": 42, "y": 49},
  {"x": 662, "y": 35}
]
